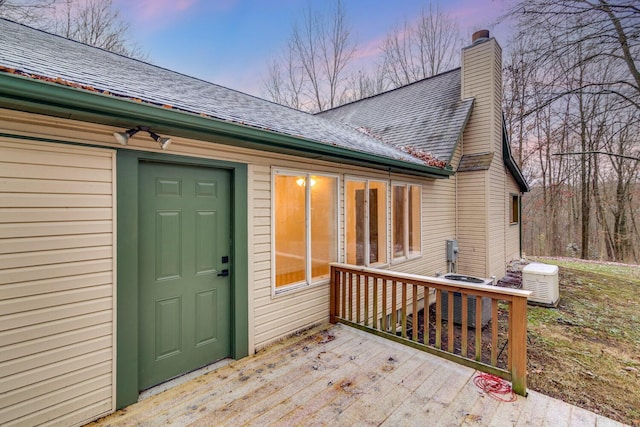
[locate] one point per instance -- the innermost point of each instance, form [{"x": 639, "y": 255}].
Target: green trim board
[
  {"x": 127, "y": 164},
  {"x": 35, "y": 96}
]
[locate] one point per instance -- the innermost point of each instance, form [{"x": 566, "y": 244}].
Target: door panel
[{"x": 184, "y": 225}]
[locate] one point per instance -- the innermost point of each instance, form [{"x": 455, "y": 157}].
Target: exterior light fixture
[
  {"x": 164, "y": 142},
  {"x": 123, "y": 137}
]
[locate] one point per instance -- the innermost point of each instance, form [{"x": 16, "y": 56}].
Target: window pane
[
  {"x": 355, "y": 222},
  {"x": 323, "y": 225},
  {"x": 289, "y": 218},
  {"x": 398, "y": 213},
  {"x": 414, "y": 220},
  {"x": 515, "y": 209},
  {"x": 377, "y": 222}
]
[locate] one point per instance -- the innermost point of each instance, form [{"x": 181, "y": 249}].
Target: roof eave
[
  {"x": 510, "y": 162},
  {"x": 41, "y": 97}
]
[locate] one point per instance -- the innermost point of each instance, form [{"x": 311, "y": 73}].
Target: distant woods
[
  {"x": 94, "y": 22},
  {"x": 571, "y": 104}
]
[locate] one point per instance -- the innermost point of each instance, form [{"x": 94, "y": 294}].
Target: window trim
[
  {"x": 407, "y": 256},
  {"x": 514, "y": 197},
  {"x": 308, "y": 281},
  {"x": 387, "y": 245}
]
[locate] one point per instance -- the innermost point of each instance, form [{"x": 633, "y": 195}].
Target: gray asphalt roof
[
  {"x": 427, "y": 115},
  {"x": 43, "y": 54}
]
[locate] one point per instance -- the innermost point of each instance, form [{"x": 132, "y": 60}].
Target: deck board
[{"x": 340, "y": 376}]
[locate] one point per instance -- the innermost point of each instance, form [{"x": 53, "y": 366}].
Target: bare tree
[
  {"x": 27, "y": 12},
  {"x": 520, "y": 75},
  {"x": 285, "y": 81},
  {"x": 364, "y": 84},
  {"x": 94, "y": 22},
  {"x": 608, "y": 29},
  {"x": 311, "y": 73},
  {"x": 97, "y": 23},
  {"x": 422, "y": 48}
]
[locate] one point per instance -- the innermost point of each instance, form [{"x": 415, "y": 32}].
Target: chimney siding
[{"x": 482, "y": 225}]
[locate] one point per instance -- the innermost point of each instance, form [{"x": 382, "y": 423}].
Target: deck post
[{"x": 518, "y": 329}]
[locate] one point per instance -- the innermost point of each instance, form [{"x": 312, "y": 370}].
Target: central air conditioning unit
[
  {"x": 542, "y": 281},
  {"x": 471, "y": 301}
]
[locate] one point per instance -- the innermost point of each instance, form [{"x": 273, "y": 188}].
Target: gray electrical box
[{"x": 452, "y": 250}]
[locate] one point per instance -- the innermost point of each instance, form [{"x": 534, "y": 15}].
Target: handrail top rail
[{"x": 434, "y": 280}]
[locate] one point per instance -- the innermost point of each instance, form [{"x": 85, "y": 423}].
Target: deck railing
[{"x": 409, "y": 309}]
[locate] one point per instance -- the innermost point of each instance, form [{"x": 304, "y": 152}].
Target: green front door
[{"x": 184, "y": 272}]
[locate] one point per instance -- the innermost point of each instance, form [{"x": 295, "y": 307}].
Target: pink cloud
[
  {"x": 151, "y": 10},
  {"x": 370, "y": 49}
]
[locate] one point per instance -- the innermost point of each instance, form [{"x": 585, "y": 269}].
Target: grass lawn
[{"x": 587, "y": 350}]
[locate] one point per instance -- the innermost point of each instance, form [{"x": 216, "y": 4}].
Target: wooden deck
[{"x": 339, "y": 376}]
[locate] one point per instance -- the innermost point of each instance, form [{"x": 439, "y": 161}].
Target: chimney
[
  {"x": 481, "y": 199},
  {"x": 480, "y": 36},
  {"x": 482, "y": 80}
]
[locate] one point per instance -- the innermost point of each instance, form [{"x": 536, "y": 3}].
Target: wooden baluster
[
  {"x": 414, "y": 313},
  {"x": 358, "y": 301},
  {"x": 478, "y": 328},
  {"x": 350, "y": 297},
  {"x": 343, "y": 298},
  {"x": 365, "y": 280},
  {"x": 464, "y": 339},
  {"x": 375, "y": 303},
  {"x": 404, "y": 310},
  {"x": 494, "y": 332},
  {"x": 385, "y": 324},
  {"x": 425, "y": 318},
  {"x": 394, "y": 308},
  {"x": 439, "y": 319},
  {"x": 450, "y": 317}
]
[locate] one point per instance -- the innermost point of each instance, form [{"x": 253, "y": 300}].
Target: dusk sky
[{"x": 229, "y": 42}]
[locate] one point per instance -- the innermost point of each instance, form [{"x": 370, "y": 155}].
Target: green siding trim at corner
[
  {"x": 127, "y": 162},
  {"x": 25, "y": 94}
]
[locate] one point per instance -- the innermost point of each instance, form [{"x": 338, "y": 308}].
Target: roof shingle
[
  {"x": 42, "y": 54},
  {"x": 427, "y": 115}
]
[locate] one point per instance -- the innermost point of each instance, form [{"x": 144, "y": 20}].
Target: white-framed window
[
  {"x": 305, "y": 228},
  {"x": 406, "y": 220},
  {"x": 366, "y": 222}
]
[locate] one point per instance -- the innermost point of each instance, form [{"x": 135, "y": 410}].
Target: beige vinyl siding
[
  {"x": 272, "y": 317},
  {"x": 56, "y": 283},
  {"x": 472, "y": 223},
  {"x": 498, "y": 221}
]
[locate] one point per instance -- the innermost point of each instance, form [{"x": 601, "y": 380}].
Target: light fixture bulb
[
  {"x": 300, "y": 182},
  {"x": 164, "y": 142},
  {"x": 123, "y": 137}
]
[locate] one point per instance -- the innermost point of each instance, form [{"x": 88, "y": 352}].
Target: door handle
[{"x": 224, "y": 273}]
